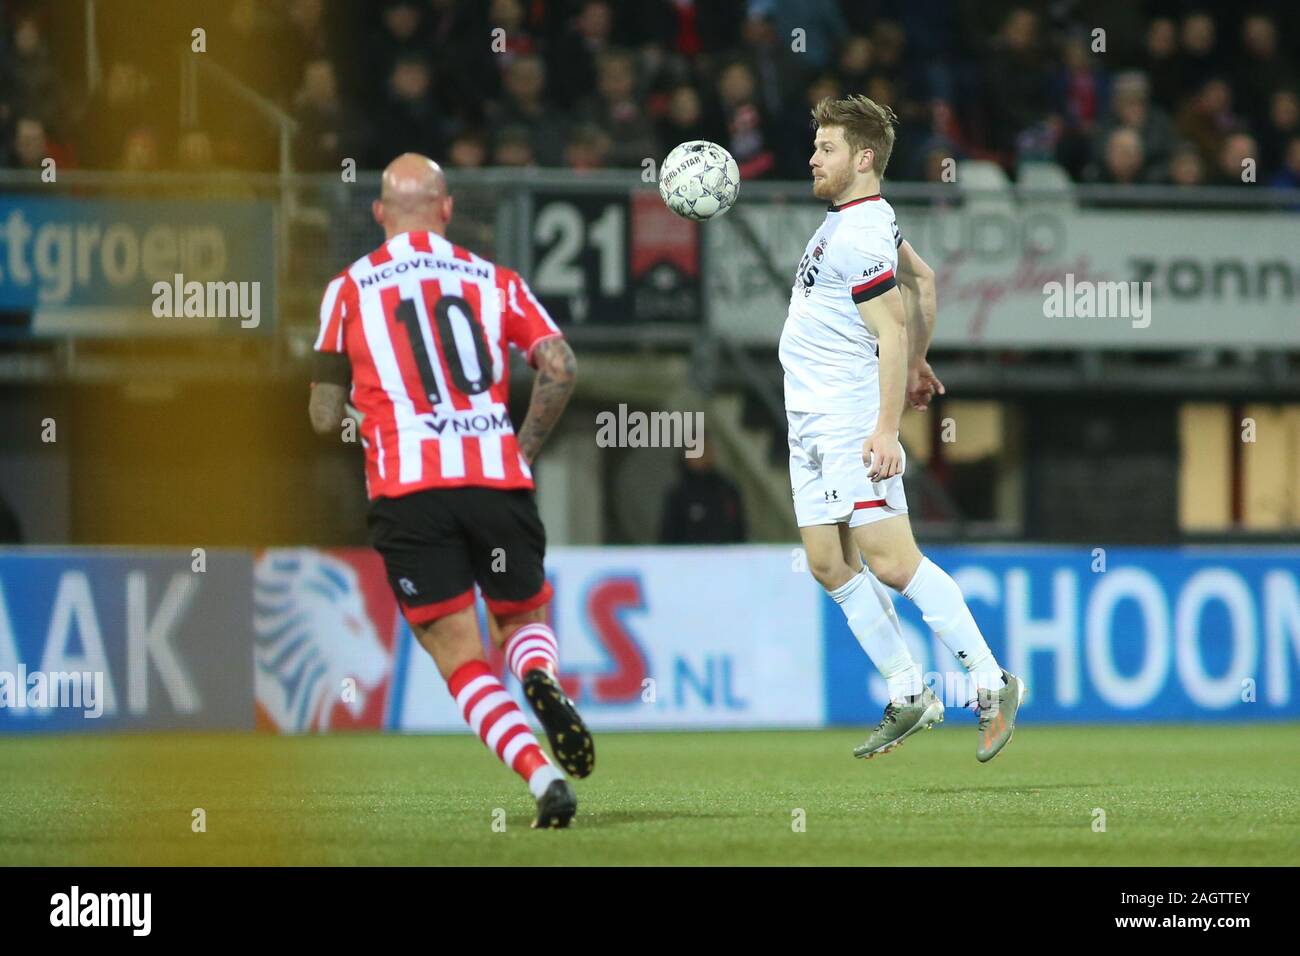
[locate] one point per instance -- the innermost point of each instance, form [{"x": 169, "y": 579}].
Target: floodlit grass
[{"x": 1204, "y": 795}]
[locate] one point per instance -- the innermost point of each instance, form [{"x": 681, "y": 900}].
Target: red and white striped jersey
[{"x": 425, "y": 325}]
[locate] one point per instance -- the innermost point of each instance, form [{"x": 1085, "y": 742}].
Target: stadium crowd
[{"x": 1182, "y": 92}]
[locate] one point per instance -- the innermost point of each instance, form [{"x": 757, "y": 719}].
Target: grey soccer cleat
[
  {"x": 997, "y": 715},
  {"x": 901, "y": 720}
]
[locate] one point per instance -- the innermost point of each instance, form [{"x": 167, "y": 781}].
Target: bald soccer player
[{"x": 415, "y": 334}]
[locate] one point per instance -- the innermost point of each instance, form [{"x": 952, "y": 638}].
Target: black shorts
[{"x": 438, "y": 542}]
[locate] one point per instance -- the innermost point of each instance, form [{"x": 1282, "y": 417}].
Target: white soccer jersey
[{"x": 828, "y": 354}]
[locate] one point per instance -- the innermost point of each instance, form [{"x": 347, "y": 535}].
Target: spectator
[
  {"x": 746, "y": 137},
  {"x": 704, "y": 507},
  {"x": 30, "y": 145},
  {"x": 1238, "y": 150},
  {"x": 522, "y": 105},
  {"x": 194, "y": 153},
  {"x": 401, "y": 35},
  {"x": 1163, "y": 65},
  {"x": 819, "y": 22},
  {"x": 30, "y": 80},
  {"x": 1081, "y": 87},
  {"x": 1080, "y": 93},
  {"x": 1282, "y": 124},
  {"x": 409, "y": 119},
  {"x": 1017, "y": 81},
  {"x": 684, "y": 120},
  {"x": 616, "y": 110},
  {"x": 1123, "y": 158},
  {"x": 508, "y": 16},
  {"x": 589, "y": 148},
  {"x": 687, "y": 28},
  {"x": 319, "y": 113},
  {"x": 1131, "y": 109},
  {"x": 1289, "y": 176},
  {"x": 1199, "y": 56},
  {"x": 889, "y": 44},
  {"x": 470, "y": 72},
  {"x": 775, "y": 73},
  {"x": 405, "y": 70},
  {"x": 1186, "y": 167},
  {"x": 139, "y": 151},
  {"x": 936, "y": 163},
  {"x": 1261, "y": 69},
  {"x": 854, "y": 66},
  {"x": 795, "y": 133},
  {"x": 301, "y": 42},
  {"x": 1207, "y": 118},
  {"x": 573, "y": 64},
  {"x": 469, "y": 150},
  {"x": 124, "y": 102},
  {"x": 514, "y": 147}
]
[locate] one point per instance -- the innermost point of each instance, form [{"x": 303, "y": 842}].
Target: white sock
[
  {"x": 945, "y": 611},
  {"x": 541, "y": 778},
  {"x": 873, "y": 622}
]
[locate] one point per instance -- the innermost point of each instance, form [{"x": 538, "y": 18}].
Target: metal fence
[{"x": 324, "y": 222}]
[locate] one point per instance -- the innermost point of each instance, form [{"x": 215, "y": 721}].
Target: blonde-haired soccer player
[{"x": 848, "y": 371}]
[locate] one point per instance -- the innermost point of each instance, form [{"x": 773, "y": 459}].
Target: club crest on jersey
[{"x": 806, "y": 276}]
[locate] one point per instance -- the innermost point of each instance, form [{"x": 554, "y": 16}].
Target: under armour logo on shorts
[{"x": 408, "y": 586}]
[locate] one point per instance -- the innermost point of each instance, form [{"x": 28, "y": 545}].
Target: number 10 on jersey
[{"x": 459, "y": 341}]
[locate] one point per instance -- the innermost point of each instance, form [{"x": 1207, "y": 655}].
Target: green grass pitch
[{"x": 1173, "y": 795}]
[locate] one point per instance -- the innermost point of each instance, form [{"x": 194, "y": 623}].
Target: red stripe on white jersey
[
  {"x": 402, "y": 354},
  {"x": 888, "y": 274}
]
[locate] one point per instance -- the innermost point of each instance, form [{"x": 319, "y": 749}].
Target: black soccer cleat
[
  {"x": 570, "y": 739},
  {"x": 556, "y": 807}
]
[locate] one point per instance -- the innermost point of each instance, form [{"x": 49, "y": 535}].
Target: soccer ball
[{"x": 699, "y": 180}]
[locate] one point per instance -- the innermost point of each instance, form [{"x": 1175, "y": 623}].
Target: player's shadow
[
  {"x": 621, "y": 817},
  {"x": 1004, "y": 788}
]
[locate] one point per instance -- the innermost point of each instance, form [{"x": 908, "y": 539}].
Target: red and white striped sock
[
  {"x": 531, "y": 646},
  {"x": 496, "y": 718}
]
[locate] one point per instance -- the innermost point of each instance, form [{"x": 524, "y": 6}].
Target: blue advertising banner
[
  {"x": 1113, "y": 635},
  {"x": 650, "y": 638},
  {"x": 115, "y": 267},
  {"x": 120, "y": 640}
]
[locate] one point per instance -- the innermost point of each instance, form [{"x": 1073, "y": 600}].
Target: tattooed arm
[{"x": 557, "y": 373}]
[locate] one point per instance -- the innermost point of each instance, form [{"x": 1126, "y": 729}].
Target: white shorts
[{"x": 827, "y": 476}]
